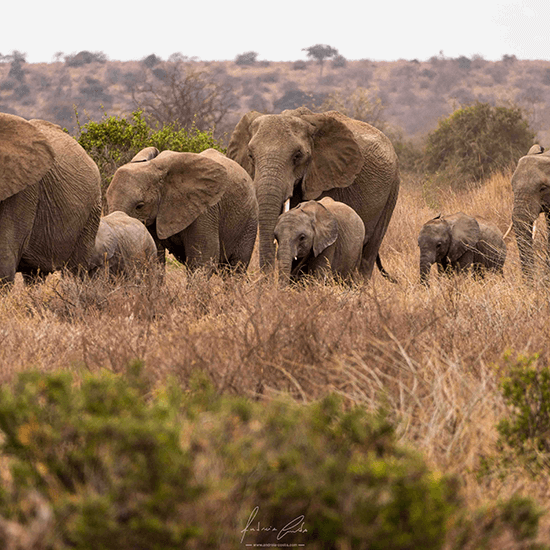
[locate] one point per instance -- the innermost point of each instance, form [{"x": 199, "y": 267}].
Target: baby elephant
[
  {"x": 123, "y": 246},
  {"x": 319, "y": 238},
  {"x": 459, "y": 241}
]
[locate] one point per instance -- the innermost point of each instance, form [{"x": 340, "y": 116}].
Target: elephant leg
[
  {"x": 547, "y": 254},
  {"x": 201, "y": 242},
  {"x": 239, "y": 257},
  {"x": 82, "y": 252},
  {"x": 372, "y": 245},
  {"x": 17, "y": 215},
  {"x": 464, "y": 262},
  {"x": 322, "y": 266}
]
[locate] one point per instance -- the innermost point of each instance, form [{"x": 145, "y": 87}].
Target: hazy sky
[{"x": 220, "y": 30}]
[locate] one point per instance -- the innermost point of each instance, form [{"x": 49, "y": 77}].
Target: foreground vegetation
[{"x": 434, "y": 359}]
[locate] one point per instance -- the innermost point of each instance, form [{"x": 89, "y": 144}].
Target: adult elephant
[
  {"x": 201, "y": 207},
  {"x": 531, "y": 186},
  {"x": 300, "y": 155},
  {"x": 50, "y": 199}
]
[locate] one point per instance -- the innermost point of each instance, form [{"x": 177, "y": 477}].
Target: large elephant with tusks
[{"x": 301, "y": 155}]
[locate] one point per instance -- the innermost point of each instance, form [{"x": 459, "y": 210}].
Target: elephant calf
[
  {"x": 318, "y": 238},
  {"x": 123, "y": 246},
  {"x": 458, "y": 242}
]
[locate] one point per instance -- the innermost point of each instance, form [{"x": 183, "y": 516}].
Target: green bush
[
  {"x": 526, "y": 391},
  {"x": 516, "y": 518},
  {"x": 114, "y": 140},
  {"x": 476, "y": 140},
  {"x": 122, "y": 463}
]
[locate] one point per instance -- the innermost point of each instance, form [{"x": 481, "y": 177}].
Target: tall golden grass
[{"x": 432, "y": 357}]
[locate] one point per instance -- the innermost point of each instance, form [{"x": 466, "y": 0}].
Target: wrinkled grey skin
[
  {"x": 319, "y": 238},
  {"x": 201, "y": 207},
  {"x": 123, "y": 246},
  {"x": 458, "y": 242},
  {"x": 300, "y": 155},
  {"x": 531, "y": 186},
  {"x": 50, "y": 199}
]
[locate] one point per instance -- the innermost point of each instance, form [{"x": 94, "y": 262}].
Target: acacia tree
[
  {"x": 320, "y": 52},
  {"x": 182, "y": 96}
]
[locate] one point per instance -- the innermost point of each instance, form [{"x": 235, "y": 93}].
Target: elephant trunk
[
  {"x": 270, "y": 195},
  {"x": 426, "y": 262},
  {"x": 284, "y": 261},
  {"x": 523, "y": 219}
]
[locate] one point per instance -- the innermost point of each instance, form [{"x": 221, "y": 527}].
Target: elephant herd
[{"x": 338, "y": 176}]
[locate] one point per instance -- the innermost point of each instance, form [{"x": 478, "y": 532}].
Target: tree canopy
[{"x": 320, "y": 52}]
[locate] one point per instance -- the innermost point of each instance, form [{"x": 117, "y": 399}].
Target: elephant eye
[
  {"x": 297, "y": 157},
  {"x": 140, "y": 205},
  {"x": 302, "y": 237}
]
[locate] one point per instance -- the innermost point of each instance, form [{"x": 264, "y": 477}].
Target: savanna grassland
[{"x": 432, "y": 357}]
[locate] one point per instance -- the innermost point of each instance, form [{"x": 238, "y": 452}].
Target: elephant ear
[
  {"x": 25, "y": 155},
  {"x": 336, "y": 157},
  {"x": 325, "y": 225},
  {"x": 465, "y": 234},
  {"x": 192, "y": 183},
  {"x": 149, "y": 153},
  {"x": 237, "y": 149}
]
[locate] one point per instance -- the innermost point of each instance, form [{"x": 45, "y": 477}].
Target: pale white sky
[{"x": 220, "y": 30}]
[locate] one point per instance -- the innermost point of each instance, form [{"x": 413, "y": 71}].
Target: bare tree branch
[{"x": 177, "y": 94}]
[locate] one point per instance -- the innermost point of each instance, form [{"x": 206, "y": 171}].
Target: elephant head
[
  {"x": 305, "y": 230},
  {"x": 444, "y": 240},
  {"x": 531, "y": 186},
  {"x": 168, "y": 190},
  {"x": 295, "y": 155}
]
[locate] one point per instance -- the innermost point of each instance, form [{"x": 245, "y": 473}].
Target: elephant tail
[{"x": 383, "y": 272}]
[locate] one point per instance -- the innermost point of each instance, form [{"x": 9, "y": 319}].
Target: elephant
[
  {"x": 50, "y": 199},
  {"x": 531, "y": 186},
  {"x": 458, "y": 242},
  {"x": 299, "y": 155},
  {"x": 200, "y": 206},
  {"x": 320, "y": 238},
  {"x": 123, "y": 246}
]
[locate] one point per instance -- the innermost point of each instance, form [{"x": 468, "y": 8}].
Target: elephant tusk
[
  {"x": 286, "y": 207},
  {"x": 295, "y": 258}
]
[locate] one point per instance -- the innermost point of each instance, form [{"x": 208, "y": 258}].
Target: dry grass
[{"x": 431, "y": 356}]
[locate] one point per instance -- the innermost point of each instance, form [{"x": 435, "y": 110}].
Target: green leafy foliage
[
  {"x": 125, "y": 464},
  {"x": 517, "y": 518},
  {"x": 476, "y": 140},
  {"x": 114, "y": 140},
  {"x": 526, "y": 391}
]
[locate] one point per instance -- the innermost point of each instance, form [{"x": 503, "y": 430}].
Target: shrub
[
  {"x": 247, "y": 58},
  {"x": 526, "y": 391},
  {"x": 516, "y": 518},
  {"x": 115, "y": 140},
  {"x": 476, "y": 140},
  {"x": 85, "y": 57},
  {"x": 124, "y": 464}
]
